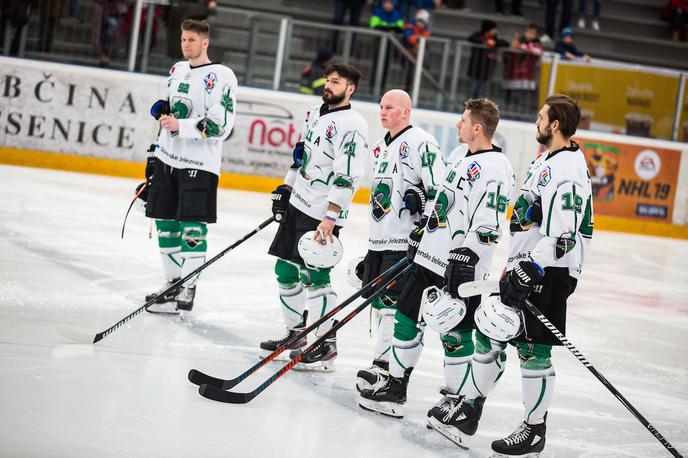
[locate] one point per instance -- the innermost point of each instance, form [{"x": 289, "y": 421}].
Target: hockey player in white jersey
[
  {"x": 551, "y": 226},
  {"x": 195, "y": 118},
  {"x": 455, "y": 245},
  {"x": 316, "y": 195},
  {"x": 407, "y": 168}
]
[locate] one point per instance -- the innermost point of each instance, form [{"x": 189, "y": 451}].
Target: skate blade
[
  {"x": 320, "y": 366},
  {"x": 527, "y": 455},
  {"x": 388, "y": 409},
  {"x": 449, "y": 432}
]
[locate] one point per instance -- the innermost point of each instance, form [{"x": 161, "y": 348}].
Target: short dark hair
[
  {"x": 200, "y": 26},
  {"x": 350, "y": 73},
  {"x": 564, "y": 109},
  {"x": 531, "y": 26},
  {"x": 484, "y": 112}
]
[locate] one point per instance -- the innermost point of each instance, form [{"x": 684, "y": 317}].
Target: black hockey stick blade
[
  {"x": 220, "y": 395},
  {"x": 199, "y": 378}
]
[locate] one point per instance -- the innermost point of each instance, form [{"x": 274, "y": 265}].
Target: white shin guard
[
  {"x": 385, "y": 331},
  {"x": 538, "y": 392},
  {"x": 190, "y": 262},
  {"x": 293, "y": 302},
  {"x": 405, "y": 355},
  {"x": 171, "y": 262},
  {"x": 487, "y": 369},
  {"x": 457, "y": 373},
  {"x": 320, "y": 302}
]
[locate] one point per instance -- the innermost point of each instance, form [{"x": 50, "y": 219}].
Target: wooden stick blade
[{"x": 478, "y": 288}]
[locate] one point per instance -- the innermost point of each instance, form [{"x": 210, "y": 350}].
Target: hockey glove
[
  {"x": 159, "y": 108},
  {"x": 298, "y": 153},
  {"x": 280, "y": 201},
  {"x": 460, "y": 269},
  {"x": 415, "y": 198},
  {"x": 369, "y": 269},
  {"x": 519, "y": 282},
  {"x": 534, "y": 212},
  {"x": 414, "y": 239}
]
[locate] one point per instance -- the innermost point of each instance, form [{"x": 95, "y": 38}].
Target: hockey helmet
[
  {"x": 352, "y": 272},
  {"x": 318, "y": 256},
  {"x": 441, "y": 312},
  {"x": 497, "y": 320}
]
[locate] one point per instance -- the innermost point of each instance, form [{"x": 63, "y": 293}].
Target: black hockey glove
[
  {"x": 142, "y": 191},
  {"x": 298, "y": 153},
  {"x": 414, "y": 239},
  {"x": 280, "y": 201},
  {"x": 519, "y": 282},
  {"x": 460, "y": 269},
  {"x": 534, "y": 212},
  {"x": 159, "y": 108},
  {"x": 415, "y": 198}
]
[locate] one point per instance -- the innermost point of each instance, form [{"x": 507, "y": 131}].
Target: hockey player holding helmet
[
  {"x": 551, "y": 228},
  {"x": 407, "y": 168},
  {"x": 316, "y": 195},
  {"x": 454, "y": 246}
]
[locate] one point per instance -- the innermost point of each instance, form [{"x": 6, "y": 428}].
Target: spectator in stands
[
  {"x": 49, "y": 12},
  {"x": 520, "y": 67},
  {"x": 567, "y": 49},
  {"x": 414, "y": 29},
  {"x": 676, "y": 12},
  {"x": 355, "y": 9},
  {"x": 111, "y": 29},
  {"x": 178, "y": 12},
  {"x": 597, "y": 4},
  {"x": 388, "y": 16},
  {"x": 550, "y": 17},
  {"x": 15, "y": 13},
  {"x": 313, "y": 77},
  {"x": 483, "y": 57},
  {"x": 413, "y": 6},
  {"x": 515, "y": 7}
]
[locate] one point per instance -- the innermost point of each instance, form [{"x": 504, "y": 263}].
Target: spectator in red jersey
[{"x": 520, "y": 67}]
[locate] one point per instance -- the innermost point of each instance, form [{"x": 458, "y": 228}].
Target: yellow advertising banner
[
  {"x": 632, "y": 181},
  {"x": 618, "y": 98},
  {"x": 683, "y": 123}
]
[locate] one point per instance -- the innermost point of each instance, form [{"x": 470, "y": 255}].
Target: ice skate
[
  {"x": 373, "y": 377},
  {"x": 320, "y": 359},
  {"x": 455, "y": 419},
  {"x": 164, "y": 304},
  {"x": 526, "y": 441},
  {"x": 387, "y": 399}
]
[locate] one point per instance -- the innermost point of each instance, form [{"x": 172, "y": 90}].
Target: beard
[
  {"x": 546, "y": 138},
  {"x": 331, "y": 98}
]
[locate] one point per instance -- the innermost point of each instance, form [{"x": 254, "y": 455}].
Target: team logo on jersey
[
  {"x": 443, "y": 203},
  {"x": 545, "y": 176},
  {"x": 330, "y": 132},
  {"x": 381, "y": 198},
  {"x": 404, "y": 150},
  {"x": 376, "y": 152},
  {"x": 473, "y": 171},
  {"x": 210, "y": 80}
]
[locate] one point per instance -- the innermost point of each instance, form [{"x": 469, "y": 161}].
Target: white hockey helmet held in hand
[
  {"x": 315, "y": 255},
  {"x": 351, "y": 275},
  {"x": 497, "y": 320},
  {"x": 441, "y": 312}
]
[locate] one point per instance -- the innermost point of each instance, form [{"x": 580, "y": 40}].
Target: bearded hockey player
[
  {"x": 407, "y": 167},
  {"x": 551, "y": 228},
  {"x": 197, "y": 116},
  {"x": 316, "y": 195},
  {"x": 454, "y": 245}
]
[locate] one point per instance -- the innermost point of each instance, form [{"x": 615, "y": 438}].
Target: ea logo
[{"x": 647, "y": 164}]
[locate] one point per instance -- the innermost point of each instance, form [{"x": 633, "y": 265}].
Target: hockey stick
[
  {"x": 478, "y": 287},
  {"x": 136, "y": 196},
  {"x": 86, "y": 338},
  {"x": 216, "y": 394},
  {"x": 562, "y": 338},
  {"x": 199, "y": 378}
]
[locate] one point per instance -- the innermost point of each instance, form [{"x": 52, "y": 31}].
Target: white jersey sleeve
[{"x": 348, "y": 165}]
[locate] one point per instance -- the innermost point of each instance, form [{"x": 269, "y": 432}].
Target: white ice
[{"x": 62, "y": 262}]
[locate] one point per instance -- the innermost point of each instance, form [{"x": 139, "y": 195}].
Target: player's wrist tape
[{"x": 331, "y": 215}]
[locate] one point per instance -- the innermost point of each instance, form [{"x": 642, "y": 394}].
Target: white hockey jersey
[
  {"x": 469, "y": 210},
  {"x": 562, "y": 182},
  {"x": 412, "y": 157},
  {"x": 203, "y": 99},
  {"x": 335, "y": 147}
]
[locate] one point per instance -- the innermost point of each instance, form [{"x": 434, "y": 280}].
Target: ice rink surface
[{"x": 62, "y": 262}]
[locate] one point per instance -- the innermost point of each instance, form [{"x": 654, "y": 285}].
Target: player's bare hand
[
  {"x": 324, "y": 232},
  {"x": 169, "y": 123}
]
